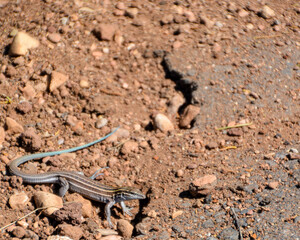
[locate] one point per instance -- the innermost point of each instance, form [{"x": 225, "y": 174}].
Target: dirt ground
[{"x": 204, "y": 65}]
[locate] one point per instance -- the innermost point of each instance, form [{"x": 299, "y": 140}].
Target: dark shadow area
[{"x": 183, "y": 83}]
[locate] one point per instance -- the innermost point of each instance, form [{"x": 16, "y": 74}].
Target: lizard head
[{"x": 128, "y": 193}]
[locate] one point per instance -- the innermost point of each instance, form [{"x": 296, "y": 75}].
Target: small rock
[
  {"x": 120, "y": 6},
  {"x": 101, "y": 123},
  {"x": 73, "y": 232},
  {"x": 152, "y": 213},
  {"x": 69, "y": 213},
  {"x": 203, "y": 185},
  {"x": 206, "y": 21},
  {"x": 125, "y": 228},
  {"x": 163, "y": 123},
  {"x": 57, "y": 80},
  {"x": 106, "y": 32},
  {"x": 2, "y": 135},
  {"x": 28, "y": 91},
  {"x": 112, "y": 161},
  {"x": 208, "y": 224},
  {"x": 111, "y": 237},
  {"x": 190, "y": 16},
  {"x": 192, "y": 166},
  {"x": 106, "y": 232},
  {"x": 177, "y": 214},
  {"x": 243, "y": 13},
  {"x": 45, "y": 199},
  {"x": 54, "y": 37},
  {"x": 211, "y": 145},
  {"x": 119, "y": 134},
  {"x": 13, "y": 127},
  {"x": 87, "y": 210},
  {"x": 22, "y": 43},
  {"x": 137, "y": 127},
  {"x": 190, "y": 112},
  {"x": 30, "y": 140},
  {"x": 129, "y": 147},
  {"x": 174, "y": 104},
  {"x": 167, "y": 19},
  {"x": 24, "y": 107},
  {"x": 78, "y": 128},
  {"x": 18, "y": 200},
  {"x": 273, "y": 185},
  {"x": 11, "y": 71},
  {"x": 131, "y": 12},
  {"x": 180, "y": 173},
  {"x": 235, "y": 132},
  {"x": 19, "y": 232},
  {"x": 84, "y": 83},
  {"x": 57, "y": 237},
  {"x": 266, "y": 12},
  {"x": 229, "y": 234},
  {"x": 19, "y": 61}
]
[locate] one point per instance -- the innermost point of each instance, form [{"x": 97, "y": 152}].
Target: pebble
[
  {"x": 243, "y": 13},
  {"x": 211, "y": 145},
  {"x": 19, "y": 61},
  {"x": 11, "y": 71},
  {"x": 19, "y": 232},
  {"x": 167, "y": 19},
  {"x": 137, "y": 127},
  {"x": 131, "y": 12},
  {"x": 2, "y": 135},
  {"x": 24, "y": 107},
  {"x": 163, "y": 123},
  {"x": 180, "y": 173},
  {"x": 73, "y": 232},
  {"x": 273, "y": 185},
  {"x": 54, "y": 37},
  {"x": 28, "y": 92},
  {"x": 22, "y": 42},
  {"x": 112, "y": 162},
  {"x": 30, "y": 140},
  {"x": 190, "y": 112},
  {"x": 125, "y": 228},
  {"x": 105, "y": 32},
  {"x": 121, "y": 6},
  {"x": 206, "y": 21},
  {"x": 229, "y": 234},
  {"x": 18, "y": 200},
  {"x": 87, "y": 210},
  {"x": 101, "y": 123},
  {"x": 84, "y": 83},
  {"x": 266, "y": 12},
  {"x": 57, "y": 237},
  {"x": 69, "y": 213},
  {"x": 57, "y": 80},
  {"x": 129, "y": 147},
  {"x": 119, "y": 134},
  {"x": 208, "y": 224},
  {"x": 177, "y": 214},
  {"x": 235, "y": 132},
  {"x": 106, "y": 232},
  {"x": 13, "y": 127},
  {"x": 203, "y": 185},
  {"x": 190, "y": 16},
  {"x": 111, "y": 237},
  {"x": 46, "y": 199},
  {"x": 152, "y": 214},
  {"x": 175, "y": 104}
]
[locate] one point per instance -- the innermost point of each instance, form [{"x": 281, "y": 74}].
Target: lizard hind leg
[{"x": 64, "y": 186}]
